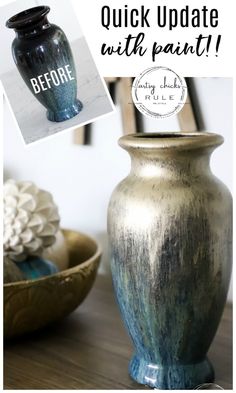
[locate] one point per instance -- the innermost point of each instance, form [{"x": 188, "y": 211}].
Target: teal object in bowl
[
  {"x": 44, "y": 59},
  {"x": 36, "y": 267}
]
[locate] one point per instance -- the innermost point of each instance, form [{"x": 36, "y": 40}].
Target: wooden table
[{"x": 91, "y": 350}]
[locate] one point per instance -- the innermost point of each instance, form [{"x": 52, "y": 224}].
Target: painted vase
[
  {"x": 169, "y": 224},
  {"x": 44, "y": 59}
]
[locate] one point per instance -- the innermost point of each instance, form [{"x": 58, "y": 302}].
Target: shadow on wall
[
  {"x": 102, "y": 239},
  {"x": 6, "y": 175}
]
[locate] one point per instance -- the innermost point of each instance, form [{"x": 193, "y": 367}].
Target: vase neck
[
  {"x": 30, "y": 22},
  {"x": 187, "y": 165},
  {"x": 171, "y": 154},
  {"x": 34, "y": 29}
]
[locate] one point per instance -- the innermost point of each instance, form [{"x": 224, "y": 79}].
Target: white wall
[
  {"x": 82, "y": 178},
  {"x": 216, "y": 103}
]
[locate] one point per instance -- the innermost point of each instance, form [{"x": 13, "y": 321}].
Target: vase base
[
  {"x": 65, "y": 114},
  {"x": 171, "y": 377}
]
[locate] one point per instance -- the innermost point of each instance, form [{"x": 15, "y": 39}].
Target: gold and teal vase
[
  {"x": 170, "y": 231},
  {"x": 44, "y": 59}
]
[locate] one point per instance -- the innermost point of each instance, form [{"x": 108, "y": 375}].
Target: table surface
[{"x": 91, "y": 350}]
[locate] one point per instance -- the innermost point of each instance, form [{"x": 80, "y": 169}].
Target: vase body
[
  {"x": 44, "y": 59},
  {"x": 169, "y": 225}
]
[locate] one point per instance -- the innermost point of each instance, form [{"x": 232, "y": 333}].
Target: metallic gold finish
[
  {"x": 30, "y": 305},
  {"x": 170, "y": 227}
]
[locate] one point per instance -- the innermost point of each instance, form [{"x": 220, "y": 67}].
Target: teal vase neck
[{"x": 30, "y": 22}]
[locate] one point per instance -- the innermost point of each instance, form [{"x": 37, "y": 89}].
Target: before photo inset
[{"x": 49, "y": 77}]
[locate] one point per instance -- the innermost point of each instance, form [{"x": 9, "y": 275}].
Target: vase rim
[
  {"x": 27, "y": 17},
  {"x": 169, "y": 140}
]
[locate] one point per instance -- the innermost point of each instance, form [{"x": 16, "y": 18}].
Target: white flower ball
[{"x": 31, "y": 220}]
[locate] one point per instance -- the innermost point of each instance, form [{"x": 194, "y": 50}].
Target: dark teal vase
[{"x": 44, "y": 59}]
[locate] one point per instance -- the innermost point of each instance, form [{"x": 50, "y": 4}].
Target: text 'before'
[{"x": 50, "y": 79}]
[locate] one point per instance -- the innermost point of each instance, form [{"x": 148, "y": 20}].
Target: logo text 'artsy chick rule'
[{"x": 161, "y": 17}]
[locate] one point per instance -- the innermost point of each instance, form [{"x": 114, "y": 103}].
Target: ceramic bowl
[{"x": 31, "y": 305}]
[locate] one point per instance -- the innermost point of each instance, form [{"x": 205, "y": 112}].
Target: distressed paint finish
[
  {"x": 169, "y": 224},
  {"x": 41, "y": 47}
]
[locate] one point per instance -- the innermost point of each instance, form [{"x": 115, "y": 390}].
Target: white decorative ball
[
  {"x": 31, "y": 220},
  {"x": 58, "y": 252}
]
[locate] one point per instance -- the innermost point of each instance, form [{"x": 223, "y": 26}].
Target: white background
[{"x": 89, "y": 14}]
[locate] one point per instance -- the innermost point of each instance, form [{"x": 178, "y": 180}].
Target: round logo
[{"x": 159, "y": 92}]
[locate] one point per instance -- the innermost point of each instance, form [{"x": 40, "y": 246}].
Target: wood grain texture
[
  {"x": 186, "y": 117},
  {"x": 91, "y": 350},
  {"x": 79, "y": 135},
  {"x": 111, "y": 79},
  {"x": 127, "y": 107}
]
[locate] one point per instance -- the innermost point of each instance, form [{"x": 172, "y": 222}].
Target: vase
[
  {"x": 44, "y": 59},
  {"x": 169, "y": 225}
]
